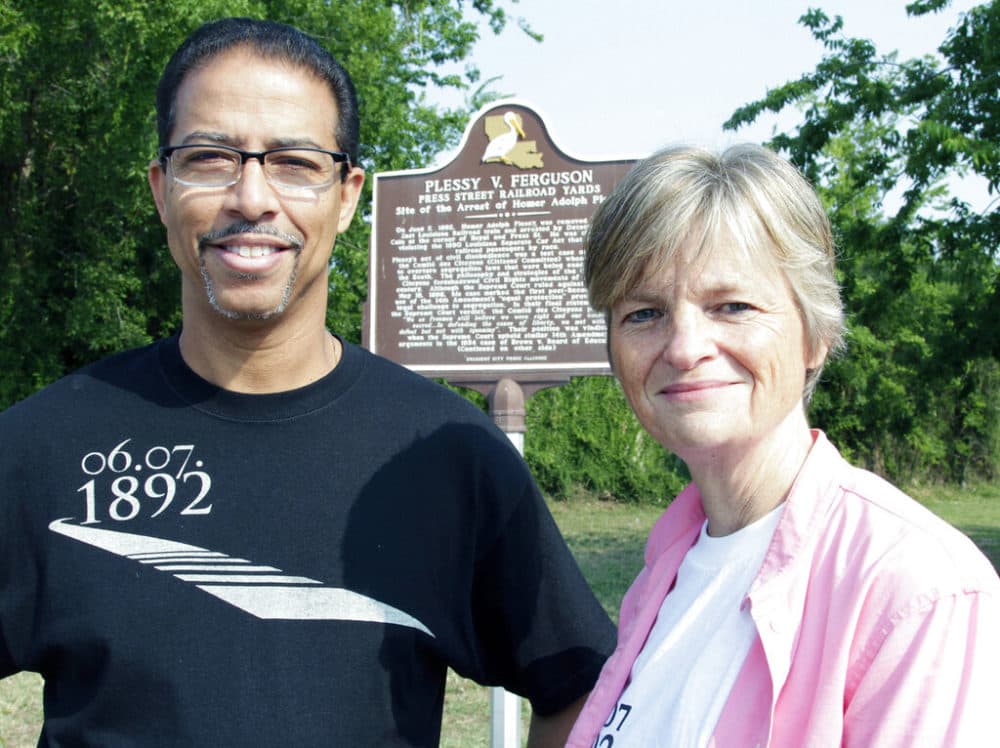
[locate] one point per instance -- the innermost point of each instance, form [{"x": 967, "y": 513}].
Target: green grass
[
  {"x": 974, "y": 509},
  {"x": 20, "y": 710},
  {"x": 608, "y": 541}
]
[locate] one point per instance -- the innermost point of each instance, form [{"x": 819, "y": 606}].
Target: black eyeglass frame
[{"x": 339, "y": 157}]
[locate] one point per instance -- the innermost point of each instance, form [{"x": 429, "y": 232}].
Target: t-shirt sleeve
[{"x": 541, "y": 631}]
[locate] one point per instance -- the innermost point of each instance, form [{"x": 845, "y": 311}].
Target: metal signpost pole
[{"x": 506, "y": 402}]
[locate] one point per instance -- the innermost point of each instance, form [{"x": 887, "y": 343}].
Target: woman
[{"x": 788, "y": 599}]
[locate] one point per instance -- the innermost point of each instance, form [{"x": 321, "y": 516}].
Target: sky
[{"x": 623, "y": 78}]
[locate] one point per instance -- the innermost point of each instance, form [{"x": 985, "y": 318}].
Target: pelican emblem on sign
[
  {"x": 498, "y": 148},
  {"x": 507, "y": 143}
]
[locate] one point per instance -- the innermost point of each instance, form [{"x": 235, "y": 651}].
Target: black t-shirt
[{"x": 190, "y": 566}]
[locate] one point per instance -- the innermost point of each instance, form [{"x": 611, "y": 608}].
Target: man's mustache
[{"x": 245, "y": 227}]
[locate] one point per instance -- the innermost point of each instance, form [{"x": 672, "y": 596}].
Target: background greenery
[
  {"x": 84, "y": 270},
  {"x": 916, "y": 396}
]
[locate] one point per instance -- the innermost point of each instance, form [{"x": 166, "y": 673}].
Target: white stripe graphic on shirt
[{"x": 251, "y": 588}]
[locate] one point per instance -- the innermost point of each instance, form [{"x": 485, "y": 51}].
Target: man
[{"x": 256, "y": 533}]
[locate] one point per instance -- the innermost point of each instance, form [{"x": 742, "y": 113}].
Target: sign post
[
  {"x": 475, "y": 276},
  {"x": 506, "y": 402}
]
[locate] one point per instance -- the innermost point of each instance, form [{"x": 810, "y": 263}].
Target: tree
[
  {"x": 916, "y": 395},
  {"x": 83, "y": 266}
]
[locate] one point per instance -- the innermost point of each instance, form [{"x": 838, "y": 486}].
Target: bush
[{"x": 584, "y": 435}]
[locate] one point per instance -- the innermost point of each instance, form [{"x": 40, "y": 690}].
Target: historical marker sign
[{"x": 475, "y": 270}]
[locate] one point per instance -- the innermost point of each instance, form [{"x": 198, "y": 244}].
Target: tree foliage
[
  {"x": 917, "y": 396},
  {"x": 84, "y": 269},
  {"x": 883, "y": 139}
]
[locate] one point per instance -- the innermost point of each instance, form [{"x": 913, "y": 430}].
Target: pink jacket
[{"x": 878, "y": 623}]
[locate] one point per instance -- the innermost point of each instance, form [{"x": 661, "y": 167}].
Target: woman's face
[{"x": 711, "y": 353}]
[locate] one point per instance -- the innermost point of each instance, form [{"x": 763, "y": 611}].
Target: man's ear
[
  {"x": 350, "y": 194},
  {"x": 158, "y": 186}
]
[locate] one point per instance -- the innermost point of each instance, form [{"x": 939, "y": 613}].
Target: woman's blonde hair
[{"x": 684, "y": 194}]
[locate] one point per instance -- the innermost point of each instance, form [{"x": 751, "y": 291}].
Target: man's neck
[{"x": 259, "y": 357}]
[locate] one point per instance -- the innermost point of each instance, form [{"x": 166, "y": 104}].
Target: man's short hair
[{"x": 272, "y": 41}]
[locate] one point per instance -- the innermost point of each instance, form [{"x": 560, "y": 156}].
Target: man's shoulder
[
  {"x": 407, "y": 402},
  {"x": 401, "y": 386}
]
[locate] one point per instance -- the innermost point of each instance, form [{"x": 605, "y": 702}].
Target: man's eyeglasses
[{"x": 293, "y": 168}]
